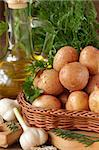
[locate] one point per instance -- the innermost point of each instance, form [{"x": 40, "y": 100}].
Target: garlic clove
[
  {"x": 43, "y": 136},
  {"x": 9, "y": 116},
  {"x": 16, "y": 102},
  {"x": 1, "y": 119}
]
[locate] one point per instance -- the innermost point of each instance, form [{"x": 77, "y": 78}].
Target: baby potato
[
  {"x": 74, "y": 76},
  {"x": 92, "y": 83},
  {"x": 89, "y": 57},
  {"x": 49, "y": 82},
  {"x": 77, "y": 101},
  {"x": 63, "y": 97},
  {"x": 36, "y": 80},
  {"x": 94, "y": 101},
  {"x": 47, "y": 102},
  {"x": 64, "y": 55}
]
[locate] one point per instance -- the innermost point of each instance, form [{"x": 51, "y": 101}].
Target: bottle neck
[{"x": 19, "y": 32}]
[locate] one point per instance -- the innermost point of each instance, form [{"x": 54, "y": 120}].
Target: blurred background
[{"x": 97, "y": 8}]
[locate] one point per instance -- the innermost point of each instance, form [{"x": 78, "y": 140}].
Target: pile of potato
[{"x": 73, "y": 83}]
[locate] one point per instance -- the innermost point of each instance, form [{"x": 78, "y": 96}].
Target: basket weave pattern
[{"x": 50, "y": 119}]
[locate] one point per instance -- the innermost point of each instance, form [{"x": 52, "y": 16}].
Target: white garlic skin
[
  {"x": 43, "y": 136},
  {"x": 6, "y": 109},
  {"x": 33, "y": 137},
  {"x": 1, "y": 120}
]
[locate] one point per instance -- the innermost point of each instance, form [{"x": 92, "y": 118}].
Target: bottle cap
[{"x": 17, "y": 4}]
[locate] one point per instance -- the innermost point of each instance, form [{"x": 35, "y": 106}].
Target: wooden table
[{"x": 16, "y": 146}]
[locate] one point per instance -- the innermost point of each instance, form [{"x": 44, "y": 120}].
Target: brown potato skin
[
  {"x": 47, "y": 102},
  {"x": 36, "y": 80},
  {"x": 97, "y": 53},
  {"x": 74, "y": 76},
  {"x": 89, "y": 57},
  {"x": 94, "y": 101},
  {"x": 49, "y": 82},
  {"x": 64, "y": 55},
  {"x": 77, "y": 101},
  {"x": 92, "y": 83},
  {"x": 63, "y": 97}
]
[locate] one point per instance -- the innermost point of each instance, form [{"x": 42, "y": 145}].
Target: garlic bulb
[
  {"x": 6, "y": 109},
  {"x": 1, "y": 120},
  {"x": 31, "y": 137}
]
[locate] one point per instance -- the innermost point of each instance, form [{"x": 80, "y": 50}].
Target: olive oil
[
  {"x": 12, "y": 66},
  {"x": 12, "y": 75}
]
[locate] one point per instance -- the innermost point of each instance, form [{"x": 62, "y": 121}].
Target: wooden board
[
  {"x": 8, "y": 136},
  {"x": 15, "y": 146},
  {"x": 67, "y": 144}
]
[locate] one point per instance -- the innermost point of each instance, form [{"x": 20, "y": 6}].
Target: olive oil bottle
[{"x": 12, "y": 66}]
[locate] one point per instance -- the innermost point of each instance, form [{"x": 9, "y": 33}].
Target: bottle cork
[{"x": 17, "y": 4}]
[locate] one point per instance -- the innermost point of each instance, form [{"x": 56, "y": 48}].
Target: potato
[
  {"x": 94, "y": 101},
  {"x": 93, "y": 81},
  {"x": 77, "y": 101},
  {"x": 97, "y": 53},
  {"x": 49, "y": 82},
  {"x": 65, "y": 55},
  {"x": 47, "y": 102},
  {"x": 64, "y": 97},
  {"x": 36, "y": 80},
  {"x": 74, "y": 76},
  {"x": 89, "y": 57}
]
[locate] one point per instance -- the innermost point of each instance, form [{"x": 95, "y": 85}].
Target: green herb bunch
[
  {"x": 64, "y": 23},
  {"x": 31, "y": 92}
]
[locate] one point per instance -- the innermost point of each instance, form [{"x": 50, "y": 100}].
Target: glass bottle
[
  {"x": 12, "y": 67},
  {"x": 3, "y": 28}
]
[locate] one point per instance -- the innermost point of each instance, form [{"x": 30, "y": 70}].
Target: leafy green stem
[{"x": 81, "y": 138}]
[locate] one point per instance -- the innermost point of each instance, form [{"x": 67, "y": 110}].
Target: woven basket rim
[
  {"x": 21, "y": 99},
  {"x": 51, "y": 118}
]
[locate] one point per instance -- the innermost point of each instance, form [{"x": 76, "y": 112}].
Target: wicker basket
[{"x": 50, "y": 119}]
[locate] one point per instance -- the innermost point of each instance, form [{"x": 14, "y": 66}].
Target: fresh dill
[{"x": 64, "y": 23}]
